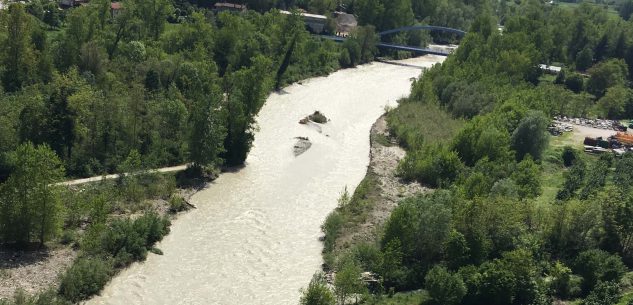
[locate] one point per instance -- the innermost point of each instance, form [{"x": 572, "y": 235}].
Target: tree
[
  {"x": 207, "y": 131},
  {"x": 348, "y": 282},
  {"x": 317, "y": 293},
  {"x": 605, "y": 293},
  {"x": 154, "y": 14},
  {"x": 584, "y": 59},
  {"x": 444, "y": 287},
  {"x": 528, "y": 178},
  {"x": 614, "y": 103},
  {"x": 30, "y": 201},
  {"x": 598, "y": 266},
  {"x": 531, "y": 137},
  {"x": 17, "y": 50},
  {"x": 569, "y": 156},
  {"x": 606, "y": 75},
  {"x": 248, "y": 90},
  {"x": 626, "y": 9}
]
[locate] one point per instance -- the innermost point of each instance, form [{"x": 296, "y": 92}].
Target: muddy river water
[{"x": 254, "y": 238}]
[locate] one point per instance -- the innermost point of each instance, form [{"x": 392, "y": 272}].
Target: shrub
[
  {"x": 434, "y": 165},
  {"x": 85, "y": 278},
  {"x": 176, "y": 204},
  {"x": 317, "y": 292},
  {"x": 598, "y": 266},
  {"x": 444, "y": 287},
  {"x": 605, "y": 293},
  {"x": 569, "y": 155},
  {"x": 332, "y": 228}
]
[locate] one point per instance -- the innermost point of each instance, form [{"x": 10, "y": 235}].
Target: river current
[{"x": 254, "y": 238}]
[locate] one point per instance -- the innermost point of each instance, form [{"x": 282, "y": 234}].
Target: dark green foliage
[
  {"x": 569, "y": 156},
  {"x": 444, "y": 287},
  {"x": 605, "y": 293},
  {"x": 129, "y": 240},
  {"x": 531, "y": 137},
  {"x": 85, "y": 278},
  {"x": 597, "y": 266},
  {"x": 573, "y": 181}
]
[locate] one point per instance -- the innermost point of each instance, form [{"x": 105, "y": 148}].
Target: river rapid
[{"x": 254, "y": 238}]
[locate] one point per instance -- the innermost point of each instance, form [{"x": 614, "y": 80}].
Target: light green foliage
[
  {"x": 444, "y": 287},
  {"x": 348, "y": 283},
  {"x": 318, "y": 292},
  {"x": 527, "y": 178},
  {"x": 433, "y": 165},
  {"x": 30, "y": 205}
]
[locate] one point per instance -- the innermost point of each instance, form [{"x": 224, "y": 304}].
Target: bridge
[{"x": 416, "y": 50}]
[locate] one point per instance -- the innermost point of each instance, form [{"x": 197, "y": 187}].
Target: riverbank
[
  {"x": 375, "y": 197},
  {"x": 36, "y": 269}
]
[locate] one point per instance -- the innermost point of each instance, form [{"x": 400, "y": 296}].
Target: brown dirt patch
[{"x": 32, "y": 271}]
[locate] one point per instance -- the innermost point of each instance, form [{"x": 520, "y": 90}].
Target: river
[{"x": 254, "y": 237}]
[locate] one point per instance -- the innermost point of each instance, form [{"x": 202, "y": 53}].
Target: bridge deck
[{"x": 416, "y": 50}]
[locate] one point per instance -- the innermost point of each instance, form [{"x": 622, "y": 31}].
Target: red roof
[{"x": 116, "y": 5}]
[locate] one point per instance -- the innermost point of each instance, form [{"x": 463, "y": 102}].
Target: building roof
[
  {"x": 116, "y": 5},
  {"x": 230, "y": 5},
  {"x": 305, "y": 15}
]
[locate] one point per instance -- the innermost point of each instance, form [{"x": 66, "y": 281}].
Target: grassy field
[
  {"x": 610, "y": 9},
  {"x": 402, "y": 298}
]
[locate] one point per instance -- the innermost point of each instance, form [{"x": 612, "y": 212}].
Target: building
[
  {"x": 116, "y": 8},
  {"x": 345, "y": 23},
  {"x": 231, "y": 7},
  {"x": 316, "y": 23},
  {"x": 550, "y": 69}
]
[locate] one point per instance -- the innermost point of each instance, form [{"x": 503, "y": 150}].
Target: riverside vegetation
[
  {"x": 513, "y": 219},
  {"x": 87, "y": 92}
]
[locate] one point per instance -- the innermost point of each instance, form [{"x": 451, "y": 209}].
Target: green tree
[
  {"x": 615, "y": 102},
  {"x": 248, "y": 90},
  {"x": 598, "y": 266},
  {"x": 318, "y": 292},
  {"x": 207, "y": 131},
  {"x": 605, "y": 293},
  {"x": 528, "y": 178},
  {"x": 531, "y": 136},
  {"x": 444, "y": 287},
  {"x": 17, "y": 50},
  {"x": 154, "y": 15},
  {"x": 31, "y": 204},
  {"x": 348, "y": 282},
  {"x": 606, "y": 75}
]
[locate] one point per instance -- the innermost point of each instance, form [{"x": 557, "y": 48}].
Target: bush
[
  {"x": 598, "y": 266},
  {"x": 569, "y": 155},
  {"x": 85, "y": 278},
  {"x": 317, "y": 292},
  {"x": 434, "y": 165},
  {"x": 605, "y": 293},
  {"x": 332, "y": 228},
  {"x": 176, "y": 204},
  {"x": 444, "y": 287}
]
